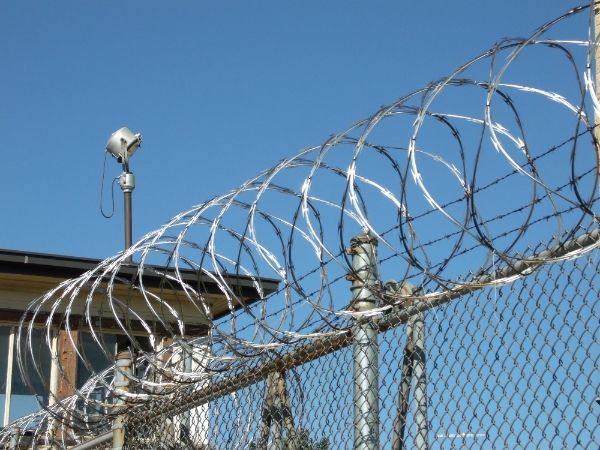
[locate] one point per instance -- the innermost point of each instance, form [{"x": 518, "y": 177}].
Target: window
[
  {"x": 94, "y": 355},
  {"x": 16, "y": 397}
]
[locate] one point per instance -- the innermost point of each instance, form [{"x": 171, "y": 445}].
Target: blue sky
[{"x": 219, "y": 90}]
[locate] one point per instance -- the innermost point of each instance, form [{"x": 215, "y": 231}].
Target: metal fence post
[
  {"x": 194, "y": 423},
  {"x": 122, "y": 372},
  {"x": 365, "y": 348},
  {"x": 418, "y": 329},
  {"x": 277, "y": 415},
  {"x": 413, "y": 366},
  {"x": 15, "y": 435}
]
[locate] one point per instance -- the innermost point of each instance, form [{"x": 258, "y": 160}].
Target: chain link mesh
[{"x": 511, "y": 366}]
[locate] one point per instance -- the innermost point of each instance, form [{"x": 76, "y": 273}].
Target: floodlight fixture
[{"x": 123, "y": 143}]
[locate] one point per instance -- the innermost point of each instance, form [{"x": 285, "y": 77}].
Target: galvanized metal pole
[
  {"x": 413, "y": 367},
  {"x": 400, "y": 294},
  {"x": 128, "y": 222},
  {"x": 127, "y": 182},
  {"x": 123, "y": 362},
  {"x": 195, "y": 420},
  {"x": 418, "y": 329},
  {"x": 277, "y": 415},
  {"x": 398, "y": 439},
  {"x": 15, "y": 434},
  {"x": 275, "y": 411},
  {"x": 365, "y": 348}
]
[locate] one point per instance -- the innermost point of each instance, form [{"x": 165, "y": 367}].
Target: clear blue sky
[{"x": 220, "y": 91}]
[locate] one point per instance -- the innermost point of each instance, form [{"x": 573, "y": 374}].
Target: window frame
[{"x": 10, "y": 370}]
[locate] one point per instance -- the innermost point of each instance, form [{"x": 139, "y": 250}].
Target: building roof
[
  {"x": 65, "y": 267},
  {"x": 25, "y": 276}
]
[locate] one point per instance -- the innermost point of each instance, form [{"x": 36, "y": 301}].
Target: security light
[{"x": 122, "y": 144}]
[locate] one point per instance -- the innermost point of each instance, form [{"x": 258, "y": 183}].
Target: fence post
[
  {"x": 122, "y": 372},
  {"x": 418, "y": 329},
  {"x": 195, "y": 420},
  {"x": 15, "y": 434},
  {"x": 413, "y": 366},
  {"x": 365, "y": 348},
  {"x": 277, "y": 414},
  {"x": 399, "y": 294}
]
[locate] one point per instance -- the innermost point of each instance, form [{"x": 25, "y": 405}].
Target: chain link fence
[{"x": 512, "y": 366}]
